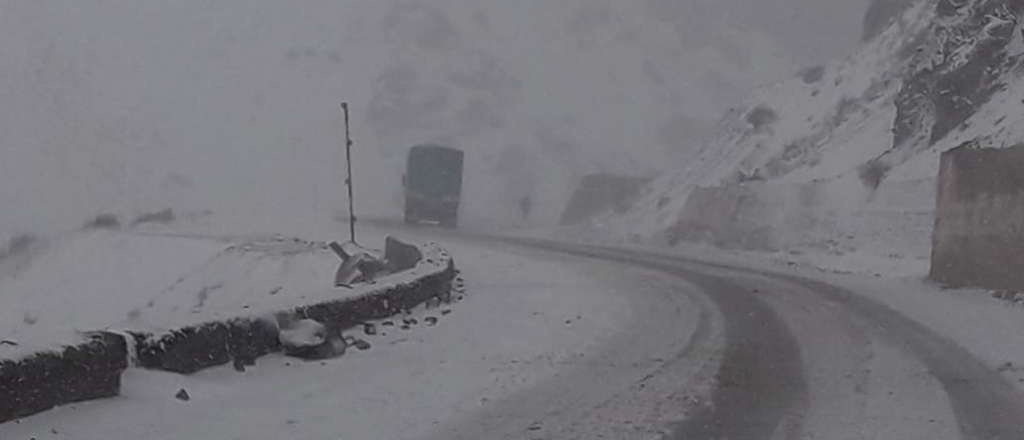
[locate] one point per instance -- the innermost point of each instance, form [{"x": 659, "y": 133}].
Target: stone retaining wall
[
  {"x": 85, "y": 371},
  {"x": 92, "y": 369}
]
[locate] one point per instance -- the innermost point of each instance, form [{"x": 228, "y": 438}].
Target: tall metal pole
[{"x": 348, "y": 181}]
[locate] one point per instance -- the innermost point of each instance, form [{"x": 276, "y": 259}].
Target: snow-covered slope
[{"x": 861, "y": 136}]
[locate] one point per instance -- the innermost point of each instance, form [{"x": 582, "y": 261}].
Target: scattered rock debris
[
  {"x": 433, "y": 303},
  {"x": 430, "y": 320},
  {"x": 183, "y": 395},
  {"x": 369, "y": 329}
]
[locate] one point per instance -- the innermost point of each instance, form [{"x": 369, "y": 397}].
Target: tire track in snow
[
  {"x": 583, "y": 390},
  {"x": 760, "y": 383},
  {"x": 985, "y": 404},
  {"x": 987, "y": 407}
]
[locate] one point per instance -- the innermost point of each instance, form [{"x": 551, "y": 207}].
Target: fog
[{"x": 128, "y": 106}]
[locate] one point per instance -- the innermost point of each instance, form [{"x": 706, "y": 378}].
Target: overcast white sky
[{"x": 129, "y": 105}]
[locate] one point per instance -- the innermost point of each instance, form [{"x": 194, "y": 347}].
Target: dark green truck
[{"x": 433, "y": 185}]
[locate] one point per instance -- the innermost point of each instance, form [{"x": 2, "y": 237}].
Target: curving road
[
  {"x": 560, "y": 341},
  {"x": 774, "y": 356}
]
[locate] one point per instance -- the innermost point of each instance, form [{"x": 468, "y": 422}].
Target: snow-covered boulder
[{"x": 310, "y": 339}]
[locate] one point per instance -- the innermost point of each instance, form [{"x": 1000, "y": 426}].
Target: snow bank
[{"x": 91, "y": 281}]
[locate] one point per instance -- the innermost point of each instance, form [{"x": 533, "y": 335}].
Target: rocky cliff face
[{"x": 964, "y": 60}]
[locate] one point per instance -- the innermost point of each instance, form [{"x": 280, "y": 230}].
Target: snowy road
[
  {"x": 568, "y": 341},
  {"x": 528, "y": 320},
  {"x": 792, "y": 358},
  {"x": 805, "y": 359}
]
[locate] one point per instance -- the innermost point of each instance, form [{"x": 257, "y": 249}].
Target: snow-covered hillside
[
  {"x": 852, "y": 147},
  {"x": 131, "y": 106}
]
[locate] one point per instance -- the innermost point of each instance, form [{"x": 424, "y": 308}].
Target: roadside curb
[{"x": 92, "y": 369}]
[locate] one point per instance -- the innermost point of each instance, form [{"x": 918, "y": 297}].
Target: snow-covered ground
[
  {"x": 523, "y": 318},
  {"x": 989, "y": 328},
  {"x": 163, "y": 277},
  {"x": 891, "y": 264}
]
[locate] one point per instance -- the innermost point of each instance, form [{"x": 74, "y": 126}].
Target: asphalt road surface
[{"x": 773, "y": 356}]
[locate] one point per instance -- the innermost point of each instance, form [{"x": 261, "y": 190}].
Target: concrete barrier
[
  {"x": 596, "y": 193},
  {"x": 85, "y": 371},
  {"x": 978, "y": 239},
  {"x": 756, "y": 217},
  {"x": 817, "y": 216}
]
